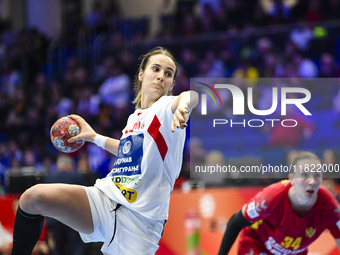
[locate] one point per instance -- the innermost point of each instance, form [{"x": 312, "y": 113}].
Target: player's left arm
[
  {"x": 236, "y": 223},
  {"x": 185, "y": 102}
]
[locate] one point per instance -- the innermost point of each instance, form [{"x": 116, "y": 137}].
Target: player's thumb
[{"x": 73, "y": 139}]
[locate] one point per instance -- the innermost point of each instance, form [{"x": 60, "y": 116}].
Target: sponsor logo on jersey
[
  {"x": 261, "y": 206},
  {"x": 129, "y": 194},
  {"x": 310, "y": 232},
  {"x": 127, "y": 147},
  {"x": 251, "y": 210},
  {"x": 130, "y": 154},
  {"x": 127, "y": 170},
  {"x": 126, "y": 180},
  {"x": 137, "y": 126}
]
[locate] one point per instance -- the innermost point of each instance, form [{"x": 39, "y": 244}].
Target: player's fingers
[
  {"x": 180, "y": 117},
  {"x": 183, "y": 115},
  {"x": 73, "y": 139},
  {"x": 183, "y": 125},
  {"x": 178, "y": 120},
  {"x": 173, "y": 125},
  {"x": 75, "y": 117}
]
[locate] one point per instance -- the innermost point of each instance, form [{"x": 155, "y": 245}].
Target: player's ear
[
  {"x": 140, "y": 75},
  {"x": 290, "y": 177},
  {"x": 172, "y": 86}
]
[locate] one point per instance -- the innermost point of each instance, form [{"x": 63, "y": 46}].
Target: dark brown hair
[{"x": 144, "y": 61}]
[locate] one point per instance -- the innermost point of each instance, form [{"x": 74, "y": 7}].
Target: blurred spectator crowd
[{"x": 246, "y": 40}]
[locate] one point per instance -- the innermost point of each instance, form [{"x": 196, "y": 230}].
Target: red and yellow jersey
[{"x": 278, "y": 230}]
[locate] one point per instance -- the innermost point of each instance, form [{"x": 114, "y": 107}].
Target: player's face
[
  {"x": 158, "y": 77},
  {"x": 307, "y": 180}
]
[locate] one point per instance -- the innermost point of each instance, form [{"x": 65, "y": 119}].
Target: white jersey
[{"x": 149, "y": 161}]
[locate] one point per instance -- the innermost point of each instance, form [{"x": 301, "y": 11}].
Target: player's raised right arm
[{"x": 89, "y": 135}]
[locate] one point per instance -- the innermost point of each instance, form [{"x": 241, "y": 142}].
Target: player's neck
[{"x": 147, "y": 101}]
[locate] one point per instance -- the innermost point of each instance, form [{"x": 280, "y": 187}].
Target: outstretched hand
[
  {"x": 86, "y": 131},
  {"x": 180, "y": 117}
]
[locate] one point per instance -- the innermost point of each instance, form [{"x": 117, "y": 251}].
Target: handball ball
[{"x": 61, "y": 131}]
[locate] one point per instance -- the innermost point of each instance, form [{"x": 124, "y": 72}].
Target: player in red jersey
[{"x": 286, "y": 217}]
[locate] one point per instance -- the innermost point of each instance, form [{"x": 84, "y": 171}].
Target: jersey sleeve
[
  {"x": 164, "y": 108},
  {"x": 333, "y": 214},
  {"x": 166, "y": 103},
  {"x": 262, "y": 205}
]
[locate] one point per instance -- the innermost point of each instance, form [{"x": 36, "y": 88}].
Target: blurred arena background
[{"x": 80, "y": 56}]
